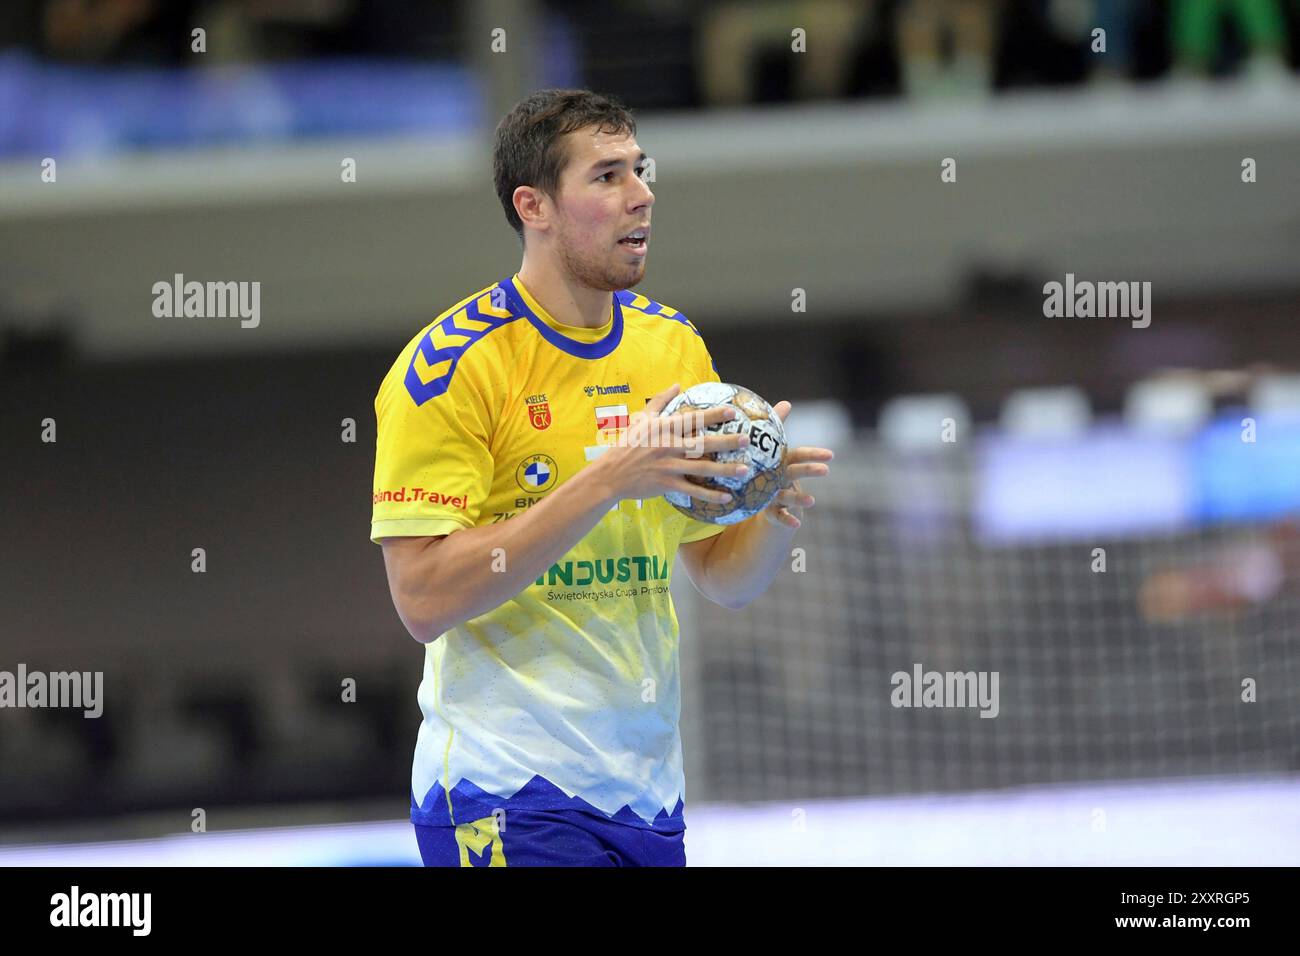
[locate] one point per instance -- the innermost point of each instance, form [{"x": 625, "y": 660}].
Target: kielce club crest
[{"x": 540, "y": 415}]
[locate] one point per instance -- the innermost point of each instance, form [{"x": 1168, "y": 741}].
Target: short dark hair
[{"x": 527, "y": 151}]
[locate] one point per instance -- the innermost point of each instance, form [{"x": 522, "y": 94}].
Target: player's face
[{"x": 602, "y": 200}]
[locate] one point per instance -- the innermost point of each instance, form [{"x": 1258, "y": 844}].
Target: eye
[{"x": 602, "y": 177}]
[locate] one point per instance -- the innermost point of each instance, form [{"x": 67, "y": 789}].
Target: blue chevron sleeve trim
[
  {"x": 456, "y": 339},
  {"x": 626, "y": 297}
]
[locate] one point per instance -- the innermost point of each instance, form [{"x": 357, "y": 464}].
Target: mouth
[{"x": 636, "y": 241}]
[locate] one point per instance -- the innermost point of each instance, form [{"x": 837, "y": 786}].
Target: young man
[{"x": 518, "y": 499}]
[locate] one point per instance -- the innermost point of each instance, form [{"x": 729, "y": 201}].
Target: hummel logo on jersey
[{"x": 607, "y": 389}]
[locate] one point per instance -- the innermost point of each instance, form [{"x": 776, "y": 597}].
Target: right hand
[{"x": 656, "y": 452}]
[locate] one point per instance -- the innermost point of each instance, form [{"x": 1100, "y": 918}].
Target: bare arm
[
  {"x": 421, "y": 569},
  {"x": 733, "y": 568},
  {"x": 736, "y": 566}
]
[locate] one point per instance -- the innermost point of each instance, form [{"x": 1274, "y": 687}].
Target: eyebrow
[{"x": 613, "y": 163}]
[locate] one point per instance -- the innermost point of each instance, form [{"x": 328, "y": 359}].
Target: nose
[{"x": 642, "y": 197}]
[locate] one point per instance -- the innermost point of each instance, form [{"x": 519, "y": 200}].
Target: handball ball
[{"x": 765, "y": 454}]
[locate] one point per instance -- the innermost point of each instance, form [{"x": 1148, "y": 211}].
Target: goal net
[{"x": 1140, "y": 653}]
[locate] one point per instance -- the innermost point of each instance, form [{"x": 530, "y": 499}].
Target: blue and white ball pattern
[{"x": 765, "y": 455}]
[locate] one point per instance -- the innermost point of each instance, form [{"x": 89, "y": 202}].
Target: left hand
[{"x": 806, "y": 461}]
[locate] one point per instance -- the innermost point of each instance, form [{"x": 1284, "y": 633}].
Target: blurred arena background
[{"x": 1102, "y": 513}]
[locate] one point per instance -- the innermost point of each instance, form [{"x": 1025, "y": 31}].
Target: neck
[{"x": 568, "y": 301}]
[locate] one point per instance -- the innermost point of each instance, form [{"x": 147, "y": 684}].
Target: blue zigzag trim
[
  {"x": 625, "y": 298},
  {"x": 421, "y": 392},
  {"x": 470, "y": 802}
]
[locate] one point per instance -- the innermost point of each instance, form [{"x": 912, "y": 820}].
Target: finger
[
  {"x": 792, "y": 496},
  {"x": 795, "y": 472},
  {"x": 707, "y": 468},
  {"x": 657, "y": 404},
  {"x": 694, "y": 420},
  {"x": 784, "y": 517},
  {"x": 716, "y": 443},
  {"x": 782, "y": 409},
  {"x": 808, "y": 453},
  {"x": 708, "y": 445},
  {"x": 700, "y": 492}
]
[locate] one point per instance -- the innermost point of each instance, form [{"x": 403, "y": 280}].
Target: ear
[{"x": 531, "y": 207}]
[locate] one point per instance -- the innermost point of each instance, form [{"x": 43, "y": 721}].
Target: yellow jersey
[{"x": 567, "y": 696}]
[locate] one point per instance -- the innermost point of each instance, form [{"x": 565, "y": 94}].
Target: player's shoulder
[
  {"x": 456, "y": 349},
  {"x": 654, "y": 316},
  {"x": 665, "y": 332}
]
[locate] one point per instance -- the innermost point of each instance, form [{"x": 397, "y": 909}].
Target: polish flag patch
[{"x": 611, "y": 416}]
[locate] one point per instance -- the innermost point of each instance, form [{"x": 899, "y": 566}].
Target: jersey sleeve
[
  {"x": 433, "y": 467},
  {"x": 703, "y": 369}
]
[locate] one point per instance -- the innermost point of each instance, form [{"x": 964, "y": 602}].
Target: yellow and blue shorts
[{"x": 549, "y": 838}]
